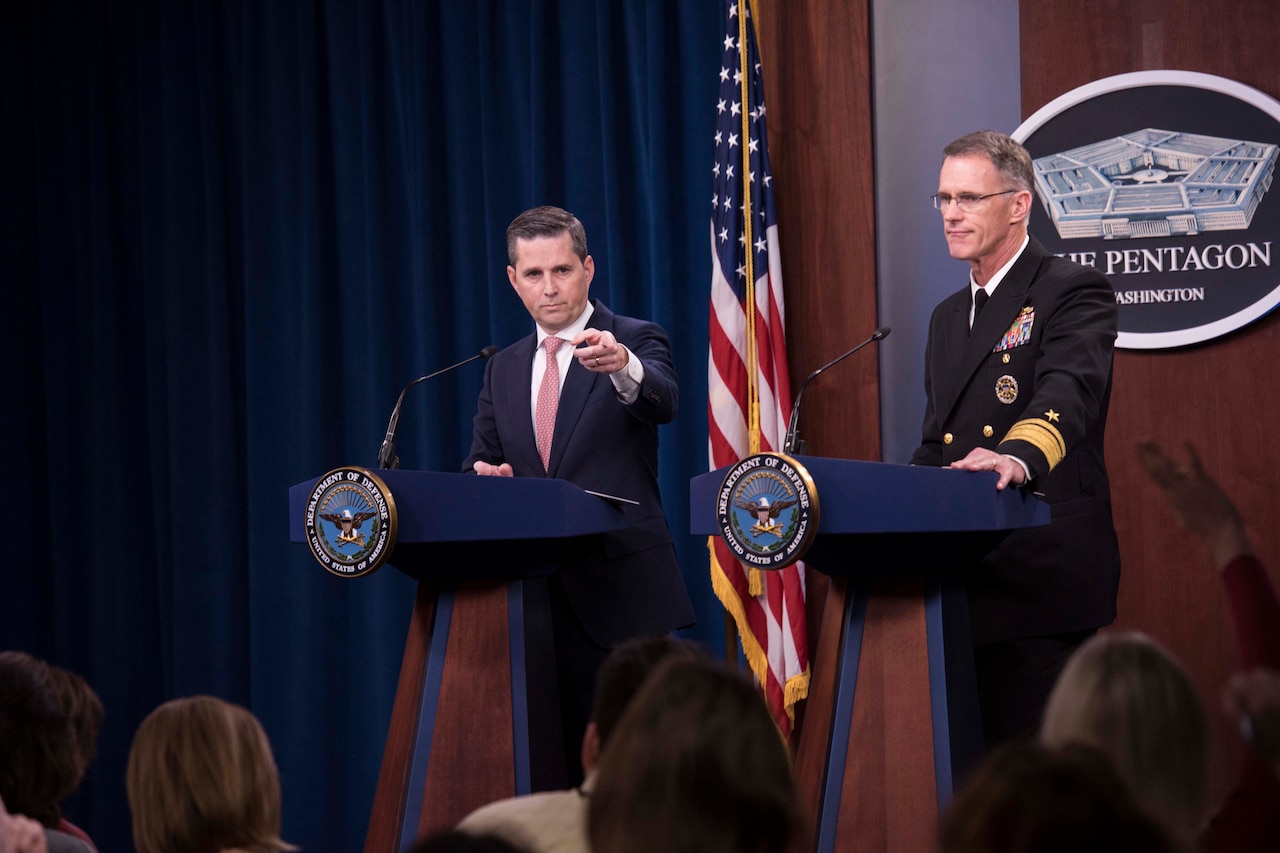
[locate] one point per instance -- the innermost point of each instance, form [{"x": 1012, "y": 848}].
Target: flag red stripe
[{"x": 772, "y": 625}]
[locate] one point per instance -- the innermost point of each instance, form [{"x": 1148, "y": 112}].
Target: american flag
[{"x": 749, "y": 402}]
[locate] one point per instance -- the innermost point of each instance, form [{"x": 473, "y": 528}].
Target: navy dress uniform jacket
[
  {"x": 1033, "y": 379},
  {"x": 631, "y": 585}
]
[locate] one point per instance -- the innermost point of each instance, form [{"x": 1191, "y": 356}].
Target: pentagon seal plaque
[{"x": 1164, "y": 181}]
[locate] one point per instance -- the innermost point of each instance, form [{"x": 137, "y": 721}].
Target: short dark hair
[
  {"x": 84, "y": 714},
  {"x": 1010, "y": 158},
  {"x": 1025, "y": 798},
  {"x": 546, "y": 221},
  {"x": 619, "y": 678},
  {"x": 40, "y": 754}
]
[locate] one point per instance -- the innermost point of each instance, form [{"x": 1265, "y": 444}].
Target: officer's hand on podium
[
  {"x": 981, "y": 459},
  {"x": 484, "y": 469}
]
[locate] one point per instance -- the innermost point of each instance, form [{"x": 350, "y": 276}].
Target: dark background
[{"x": 231, "y": 232}]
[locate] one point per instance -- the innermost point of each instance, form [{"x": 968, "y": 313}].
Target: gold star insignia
[{"x": 1051, "y": 415}]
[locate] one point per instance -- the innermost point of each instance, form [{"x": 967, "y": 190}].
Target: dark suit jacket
[
  {"x": 631, "y": 585},
  {"x": 1043, "y": 400}
]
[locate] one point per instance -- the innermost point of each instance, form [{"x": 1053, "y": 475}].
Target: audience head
[
  {"x": 201, "y": 779},
  {"x": 1025, "y": 798},
  {"x": 44, "y": 742},
  {"x": 1124, "y": 695},
  {"x": 624, "y": 671},
  {"x": 84, "y": 714},
  {"x": 695, "y": 764}
]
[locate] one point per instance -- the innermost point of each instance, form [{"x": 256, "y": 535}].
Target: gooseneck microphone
[
  {"x": 387, "y": 453},
  {"x": 789, "y": 444}
]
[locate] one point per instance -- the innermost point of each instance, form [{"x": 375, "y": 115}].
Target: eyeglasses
[{"x": 965, "y": 202}]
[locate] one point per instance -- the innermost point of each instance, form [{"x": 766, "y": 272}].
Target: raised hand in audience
[{"x": 1201, "y": 505}]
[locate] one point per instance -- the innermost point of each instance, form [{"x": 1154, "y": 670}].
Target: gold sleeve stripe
[{"x": 1041, "y": 435}]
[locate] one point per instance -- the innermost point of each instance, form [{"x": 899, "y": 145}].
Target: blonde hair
[
  {"x": 1125, "y": 695},
  {"x": 201, "y": 779}
]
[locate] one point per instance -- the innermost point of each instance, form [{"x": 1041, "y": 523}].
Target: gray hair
[{"x": 1010, "y": 158}]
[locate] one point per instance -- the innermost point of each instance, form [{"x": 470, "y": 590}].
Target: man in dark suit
[
  {"x": 581, "y": 400},
  {"x": 1023, "y": 393}
]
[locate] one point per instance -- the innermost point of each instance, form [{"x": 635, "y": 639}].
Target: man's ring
[{"x": 597, "y": 361}]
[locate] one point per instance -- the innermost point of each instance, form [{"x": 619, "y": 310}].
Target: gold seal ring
[{"x": 597, "y": 361}]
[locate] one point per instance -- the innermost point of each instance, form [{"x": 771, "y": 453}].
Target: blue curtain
[{"x": 231, "y": 231}]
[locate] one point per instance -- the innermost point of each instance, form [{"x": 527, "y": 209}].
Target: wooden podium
[
  {"x": 892, "y": 714},
  {"x": 478, "y": 674}
]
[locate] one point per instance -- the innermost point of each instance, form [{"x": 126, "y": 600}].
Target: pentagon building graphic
[{"x": 1155, "y": 183}]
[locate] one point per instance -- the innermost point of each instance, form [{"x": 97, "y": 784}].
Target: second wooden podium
[{"x": 892, "y": 713}]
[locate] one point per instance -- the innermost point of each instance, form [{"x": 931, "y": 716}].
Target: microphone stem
[
  {"x": 387, "y": 453},
  {"x": 789, "y": 443}
]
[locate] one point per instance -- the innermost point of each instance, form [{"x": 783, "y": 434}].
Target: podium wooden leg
[
  {"x": 476, "y": 715},
  {"x": 953, "y": 687},
  {"x": 386, "y": 819},
  {"x": 451, "y": 745},
  {"x": 878, "y": 787}
]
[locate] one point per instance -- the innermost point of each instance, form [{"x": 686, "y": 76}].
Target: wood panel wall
[
  {"x": 818, "y": 94},
  {"x": 1223, "y": 396}
]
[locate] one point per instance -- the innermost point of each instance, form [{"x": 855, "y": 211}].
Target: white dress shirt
[
  {"x": 991, "y": 290},
  {"x": 626, "y": 382},
  {"x": 991, "y": 285}
]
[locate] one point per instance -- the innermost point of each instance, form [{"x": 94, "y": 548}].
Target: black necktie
[{"x": 980, "y": 297}]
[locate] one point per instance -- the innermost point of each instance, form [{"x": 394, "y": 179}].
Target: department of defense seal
[
  {"x": 351, "y": 522},
  {"x": 1006, "y": 389},
  {"x": 767, "y": 510}
]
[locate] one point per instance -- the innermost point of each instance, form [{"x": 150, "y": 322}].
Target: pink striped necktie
[{"x": 548, "y": 400}]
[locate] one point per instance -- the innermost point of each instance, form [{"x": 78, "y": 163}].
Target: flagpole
[
  {"x": 753, "y": 372},
  {"x": 748, "y": 368}
]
